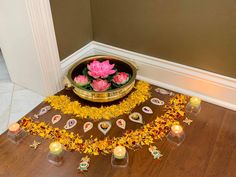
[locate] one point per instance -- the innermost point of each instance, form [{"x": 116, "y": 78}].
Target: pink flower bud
[
  {"x": 121, "y": 78},
  {"x": 100, "y": 85},
  {"x": 81, "y": 80}
]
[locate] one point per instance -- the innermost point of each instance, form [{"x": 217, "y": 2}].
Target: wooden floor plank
[
  {"x": 191, "y": 158},
  {"x": 208, "y": 150},
  {"x": 223, "y": 159}
]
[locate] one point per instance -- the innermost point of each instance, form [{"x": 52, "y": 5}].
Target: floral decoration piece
[
  {"x": 136, "y": 117},
  {"x": 56, "y": 118},
  {"x": 164, "y": 92},
  {"x": 99, "y": 69},
  {"x": 66, "y": 106},
  {"x": 155, "y": 152},
  {"x": 42, "y": 111},
  {"x": 147, "y": 110},
  {"x": 104, "y": 126},
  {"x": 187, "y": 121},
  {"x": 121, "y": 78},
  {"x": 157, "y": 101},
  {"x": 100, "y": 85},
  {"x": 81, "y": 80},
  {"x": 121, "y": 123},
  {"x": 84, "y": 164},
  {"x": 101, "y": 76},
  {"x": 87, "y": 126},
  {"x": 70, "y": 124},
  {"x": 131, "y": 139},
  {"x": 35, "y": 144}
]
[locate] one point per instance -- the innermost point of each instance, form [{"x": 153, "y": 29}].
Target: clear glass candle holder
[
  {"x": 176, "y": 135},
  {"x": 120, "y": 163},
  {"x": 17, "y": 136},
  {"x": 192, "y": 110},
  {"x": 56, "y": 159}
]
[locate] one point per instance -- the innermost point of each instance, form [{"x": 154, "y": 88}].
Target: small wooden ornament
[
  {"x": 84, "y": 164},
  {"x": 187, "y": 121},
  {"x": 35, "y": 144},
  {"x": 155, "y": 152}
]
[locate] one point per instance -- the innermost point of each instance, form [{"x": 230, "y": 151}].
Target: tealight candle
[
  {"x": 119, "y": 152},
  {"x": 176, "y": 134},
  {"x": 195, "y": 102},
  {"x": 177, "y": 130},
  {"x": 55, "y": 148},
  {"x": 14, "y": 128}
]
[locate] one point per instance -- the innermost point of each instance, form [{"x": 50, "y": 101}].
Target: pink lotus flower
[
  {"x": 100, "y": 69},
  {"x": 100, "y": 85},
  {"x": 121, "y": 78},
  {"x": 81, "y": 80}
]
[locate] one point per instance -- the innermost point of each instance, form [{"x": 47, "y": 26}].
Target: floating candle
[
  {"x": 119, "y": 152},
  {"x": 195, "y": 102},
  {"x": 55, "y": 148},
  {"x": 14, "y": 128}
]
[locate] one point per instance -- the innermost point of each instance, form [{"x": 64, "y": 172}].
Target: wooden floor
[{"x": 209, "y": 150}]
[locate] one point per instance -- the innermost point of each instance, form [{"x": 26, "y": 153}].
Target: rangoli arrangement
[
  {"x": 146, "y": 135},
  {"x": 105, "y": 80}
]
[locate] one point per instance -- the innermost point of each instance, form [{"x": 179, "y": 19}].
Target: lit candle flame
[
  {"x": 194, "y": 101},
  {"x": 177, "y": 129}
]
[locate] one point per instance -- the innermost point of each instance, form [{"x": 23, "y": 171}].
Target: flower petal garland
[
  {"x": 63, "y": 103},
  {"x": 146, "y": 135}
]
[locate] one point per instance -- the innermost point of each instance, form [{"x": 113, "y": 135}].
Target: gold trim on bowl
[{"x": 106, "y": 96}]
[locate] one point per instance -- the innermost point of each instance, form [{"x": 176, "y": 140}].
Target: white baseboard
[
  {"x": 208, "y": 86},
  {"x": 85, "y": 51}
]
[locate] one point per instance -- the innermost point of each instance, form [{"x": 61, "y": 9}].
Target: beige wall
[
  {"x": 198, "y": 33},
  {"x": 72, "y": 22}
]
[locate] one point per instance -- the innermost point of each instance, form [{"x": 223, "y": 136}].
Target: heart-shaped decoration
[
  {"x": 87, "y": 126},
  {"x": 104, "y": 126},
  {"x": 56, "y": 118},
  {"x": 164, "y": 92},
  {"x": 42, "y": 111},
  {"x": 136, "y": 117},
  {"x": 157, "y": 101},
  {"x": 147, "y": 110},
  {"x": 48, "y": 108},
  {"x": 70, "y": 124},
  {"x": 121, "y": 123}
]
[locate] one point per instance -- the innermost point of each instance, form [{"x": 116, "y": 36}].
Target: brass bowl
[{"x": 106, "y": 96}]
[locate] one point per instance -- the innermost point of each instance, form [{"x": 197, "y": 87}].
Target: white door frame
[
  {"x": 29, "y": 46},
  {"x": 40, "y": 17}
]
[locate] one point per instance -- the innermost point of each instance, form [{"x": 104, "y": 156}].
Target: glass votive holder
[
  {"x": 15, "y": 133},
  {"x": 176, "y": 135},
  {"x": 193, "y": 107},
  {"x": 56, "y": 153},
  {"x": 120, "y": 157}
]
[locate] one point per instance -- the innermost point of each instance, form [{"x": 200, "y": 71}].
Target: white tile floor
[{"x": 15, "y": 101}]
